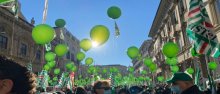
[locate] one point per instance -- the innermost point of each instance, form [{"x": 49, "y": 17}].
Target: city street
[{"x": 109, "y": 46}]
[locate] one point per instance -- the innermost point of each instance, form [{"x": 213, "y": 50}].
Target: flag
[
  {"x": 29, "y": 66},
  {"x": 43, "y": 79},
  {"x": 15, "y": 8},
  {"x": 61, "y": 81},
  {"x": 200, "y": 30},
  {"x": 212, "y": 84},
  {"x": 45, "y": 11},
  {"x": 199, "y": 79},
  {"x": 117, "y": 31},
  {"x": 70, "y": 81}
]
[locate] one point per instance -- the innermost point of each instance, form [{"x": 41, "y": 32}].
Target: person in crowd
[
  {"x": 117, "y": 89},
  {"x": 80, "y": 90},
  {"x": 135, "y": 90},
  {"x": 159, "y": 89},
  {"x": 182, "y": 83},
  {"x": 15, "y": 79},
  {"x": 218, "y": 88},
  {"x": 102, "y": 87},
  {"x": 166, "y": 90},
  {"x": 123, "y": 91}
]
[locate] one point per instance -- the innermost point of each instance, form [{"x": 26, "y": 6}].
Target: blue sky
[{"x": 82, "y": 15}]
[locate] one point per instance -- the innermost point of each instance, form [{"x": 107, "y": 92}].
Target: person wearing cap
[
  {"x": 182, "y": 83},
  {"x": 102, "y": 87}
]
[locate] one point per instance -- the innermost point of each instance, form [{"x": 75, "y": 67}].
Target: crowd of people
[{"x": 17, "y": 79}]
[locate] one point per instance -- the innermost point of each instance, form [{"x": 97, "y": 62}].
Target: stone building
[
  {"x": 72, "y": 42},
  {"x": 16, "y": 40},
  {"x": 170, "y": 25},
  {"x": 139, "y": 65}
]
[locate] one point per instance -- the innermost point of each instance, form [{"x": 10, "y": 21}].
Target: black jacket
[{"x": 192, "y": 90}]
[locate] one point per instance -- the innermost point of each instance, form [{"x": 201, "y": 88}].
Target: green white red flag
[{"x": 200, "y": 30}]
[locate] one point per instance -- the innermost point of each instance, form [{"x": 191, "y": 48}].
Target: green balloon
[
  {"x": 174, "y": 69},
  {"x": 139, "y": 57},
  {"x": 172, "y": 61},
  {"x": 55, "y": 79},
  {"x": 51, "y": 64},
  {"x": 46, "y": 67},
  {"x": 80, "y": 56},
  {"x": 104, "y": 71},
  {"x": 3, "y": 1},
  {"x": 85, "y": 44},
  {"x": 43, "y": 34},
  {"x": 143, "y": 72},
  {"x": 56, "y": 71},
  {"x": 148, "y": 78},
  {"x": 61, "y": 50},
  {"x": 131, "y": 69},
  {"x": 50, "y": 56},
  {"x": 69, "y": 65},
  {"x": 212, "y": 65},
  {"x": 193, "y": 52},
  {"x": 133, "y": 52},
  {"x": 170, "y": 49},
  {"x": 99, "y": 34},
  {"x": 114, "y": 12},
  {"x": 50, "y": 81},
  {"x": 148, "y": 61},
  {"x": 160, "y": 78},
  {"x": 114, "y": 70},
  {"x": 60, "y": 23},
  {"x": 66, "y": 74},
  {"x": 190, "y": 70},
  {"x": 153, "y": 67},
  {"x": 92, "y": 69},
  {"x": 89, "y": 61},
  {"x": 73, "y": 69}
]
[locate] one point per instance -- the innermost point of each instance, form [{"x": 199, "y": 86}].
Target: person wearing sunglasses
[
  {"x": 102, "y": 87},
  {"x": 15, "y": 79}
]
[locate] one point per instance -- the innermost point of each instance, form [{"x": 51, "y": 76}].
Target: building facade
[
  {"x": 170, "y": 25},
  {"x": 73, "y": 44},
  {"x": 16, "y": 40},
  {"x": 143, "y": 50}
]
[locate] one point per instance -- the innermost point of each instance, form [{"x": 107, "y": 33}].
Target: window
[
  {"x": 174, "y": 19},
  {"x": 68, "y": 55},
  {"x": 23, "y": 49},
  {"x": 182, "y": 7},
  {"x": 38, "y": 55},
  {"x": 72, "y": 57},
  {"x": 169, "y": 27},
  {"x": 2, "y": 29},
  {"x": 217, "y": 8},
  {"x": 3, "y": 42}
]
